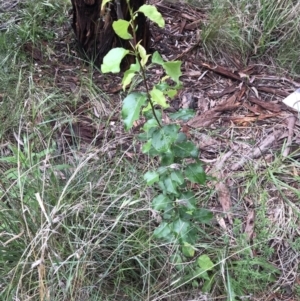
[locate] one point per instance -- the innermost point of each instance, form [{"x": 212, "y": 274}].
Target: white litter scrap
[{"x": 293, "y": 100}]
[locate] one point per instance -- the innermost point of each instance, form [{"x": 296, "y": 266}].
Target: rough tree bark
[{"x": 93, "y": 27}]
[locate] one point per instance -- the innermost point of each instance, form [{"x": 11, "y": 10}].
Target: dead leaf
[
  {"x": 249, "y": 228},
  {"x": 193, "y": 25},
  {"x": 272, "y": 90},
  {"x": 224, "y": 199},
  {"x": 210, "y": 116},
  {"x": 221, "y": 222},
  {"x": 245, "y": 120},
  {"x": 270, "y": 106}
]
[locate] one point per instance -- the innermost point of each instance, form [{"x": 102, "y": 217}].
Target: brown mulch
[{"x": 224, "y": 95}]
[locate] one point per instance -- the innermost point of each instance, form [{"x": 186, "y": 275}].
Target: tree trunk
[{"x": 93, "y": 27}]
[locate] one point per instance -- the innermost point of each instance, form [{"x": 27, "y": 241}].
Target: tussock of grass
[{"x": 246, "y": 29}]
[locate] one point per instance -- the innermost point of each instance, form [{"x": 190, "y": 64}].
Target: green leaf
[
  {"x": 200, "y": 273},
  {"x": 183, "y": 114},
  {"x": 167, "y": 158},
  {"x": 205, "y": 263},
  {"x": 104, "y": 2},
  {"x": 188, "y": 250},
  {"x": 145, "y": 136},
  {"x": 185, "y": 150},
  {"x": 207, "y": 285},
  {"x": 161, "y": 202},
  {"x": 173, "y": 70},
  {"x": 162, "y": 86},
  {"x": 180, "y": 227},
  {"x": 181, "y": 137},
  {"x": 151, "y": 12},
  {"x": 188, "y": 200},
  {"x": 129, "y": 74},
  {"x": 203, "y": 216},
  {"x": 170, "y": 186},
  {"x": 127, "y": 78},
  {"x": 121, "y": 29},
  {"x": 158, "y": 98},
  {"x": 143, "y": 54},
  {"x": 131, "y": 108},
  {"x": 152, "y": 123},
  {"x": 152, "y": 152},
  {"x": 146, "y": 146},
  {"x": 177, "y": 177},
  {"x": 163, "y": 231},
  {"x": 149, "y": 114},
  {"x": 171, "y": 93},
  {"x": 151, "y": 177},
  {"x": 162, "y": 138},
  {"x": 157, "y": 59},
  {"x": 112, "y": 60},
  {"x": 195, "y": 173},
  {"x": 185, "y": 231},
  {"x": 161, "y": 185},
  {"x": 162, "y": 170},
  {"x": 176, "y": 260}
]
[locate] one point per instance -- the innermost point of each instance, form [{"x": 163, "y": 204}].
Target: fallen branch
[{"x": 258, "y": 151}]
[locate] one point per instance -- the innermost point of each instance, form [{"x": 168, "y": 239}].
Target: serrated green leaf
[
  {"x": 152, "y": 152},
  {"x": 163, "y": 231},
  {"x": 205, "y": 263},
  {"x": 143, "y": 55},
  {"x": 149, "y": 114},
  {"x": 180, "y": 226},
  {"x": 152, "y": 13},
  {"x": 127, "y": 78},
  {"x": 158, "y": 98},
  {"x": 203, "y": 216},
  {"x": 167, "y": 158},
  {"x": 162, "y": 138},
  {"x": 157, "y": 59},
  {"x": 188, "y": 250},
  {"x": 162, "y": 170},
  {"x": 176, "y": 260},
  {"x": 161, "y": 185},
  {"x": 173, "y": 70},
  {"x": 184, "y": 230},
  {"x": 188, "y": 200},
  {"x": 200, "y": 273},
  {"x": 129, "y": 74},
  {"x": 151, "y": 123},
  {"x": 183, "y": 114},
  {"x": 206, "y": 288},
  {"x": 171, "y": 93},
  {"x": 185, "y": 150},
  {"x": 170, "y": 186},
  {"x": 177, "y": 177},
  {"x": 131, "y": 108},
  {"x": 181, "y": 137},
  {"x": 195, "y": 173},
  {"x": 151, "y": 177},
  {"x": 121, "y": 29},
  {"x": 162, "y": 86},
  {"x": 161, "y": 202},
  {"x": 146, "y": 146},
  {"x": 112, "y": 60}
]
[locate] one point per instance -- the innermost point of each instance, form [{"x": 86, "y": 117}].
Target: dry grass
[{"x": 75, "y": 216}]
